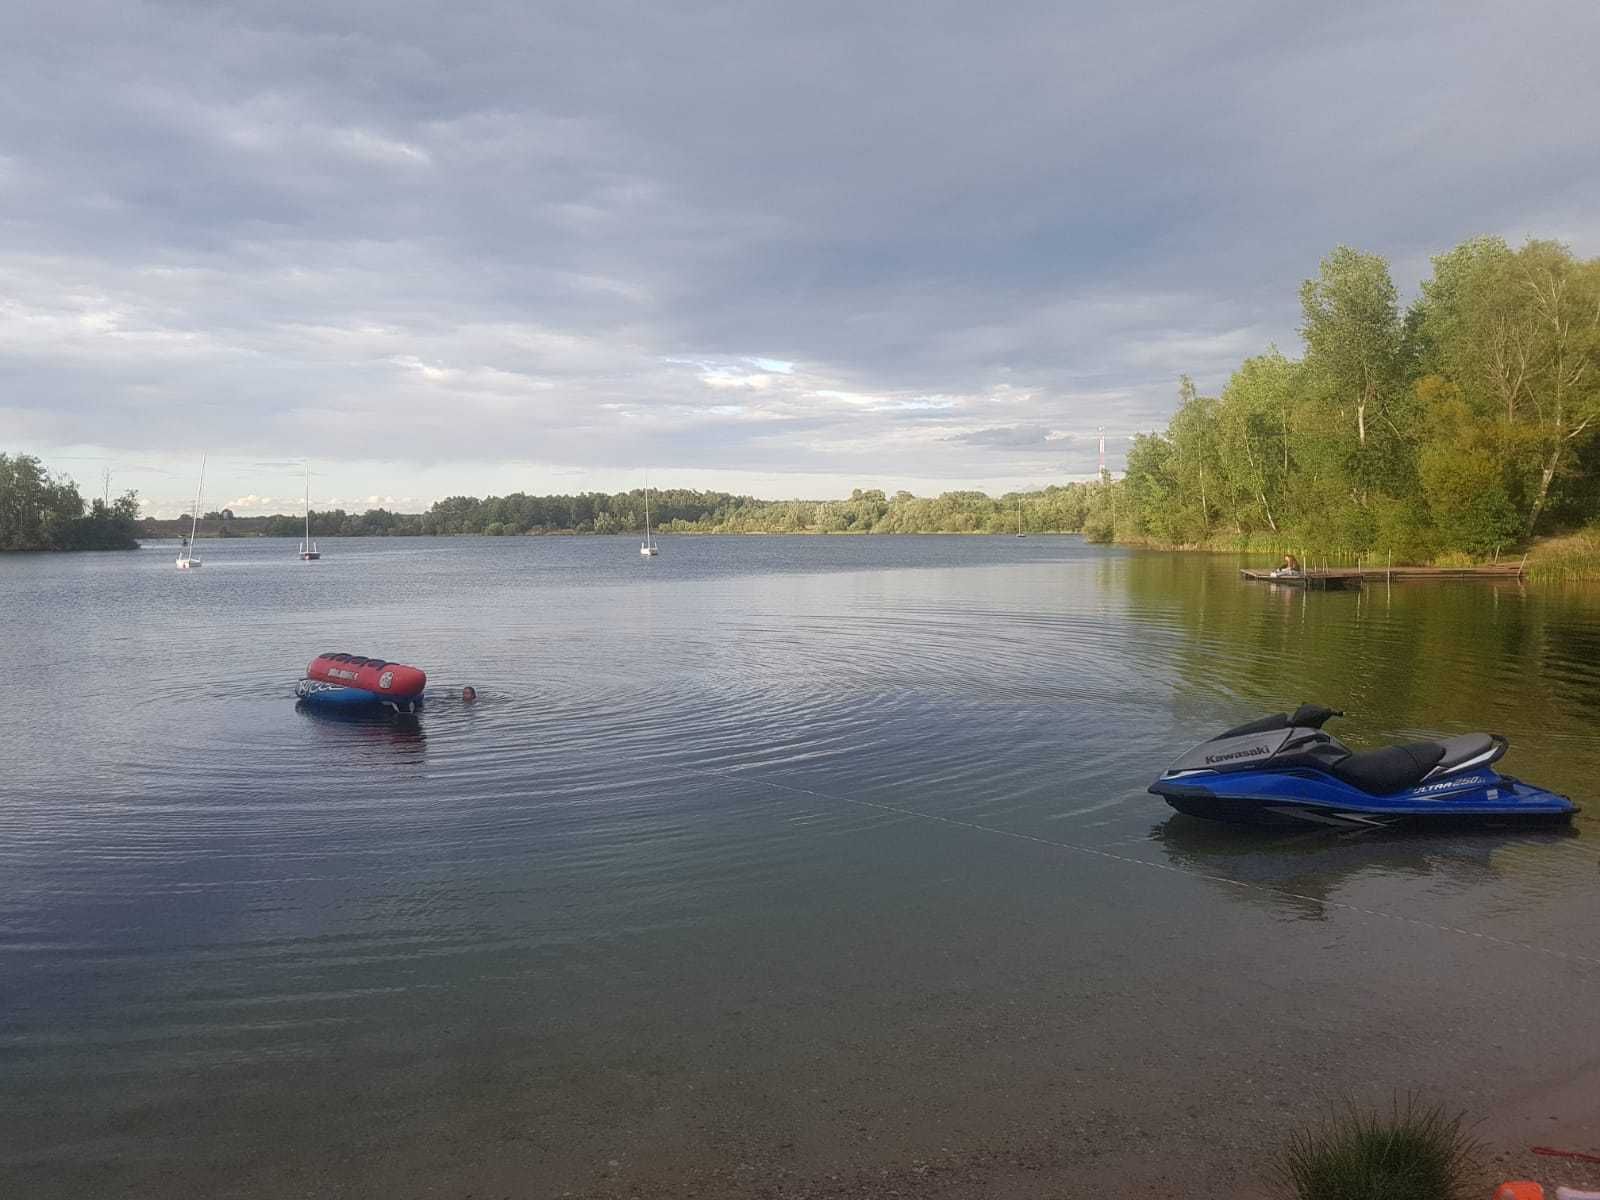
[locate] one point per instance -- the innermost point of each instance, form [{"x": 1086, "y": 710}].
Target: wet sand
[{"x": 1208, "y": 1153}]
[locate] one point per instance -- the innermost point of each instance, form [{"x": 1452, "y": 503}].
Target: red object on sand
[{"x": 386, "y": 679}]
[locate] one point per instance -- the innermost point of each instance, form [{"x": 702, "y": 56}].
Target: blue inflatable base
[{"x": 348, "y": 699}]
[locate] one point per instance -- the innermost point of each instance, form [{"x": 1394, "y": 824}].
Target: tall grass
[
  {"x": 1573, "y": 557},
  {"x": 1416, "y": 1152}
]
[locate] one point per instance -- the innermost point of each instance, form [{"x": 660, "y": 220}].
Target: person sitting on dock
[{"x": 1289, "y": 566}]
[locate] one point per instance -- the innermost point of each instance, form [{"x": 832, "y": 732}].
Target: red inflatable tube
[{"x": 384, "y": 679}]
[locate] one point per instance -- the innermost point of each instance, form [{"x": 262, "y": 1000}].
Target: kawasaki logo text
[{"x": 1250, "y": 753}]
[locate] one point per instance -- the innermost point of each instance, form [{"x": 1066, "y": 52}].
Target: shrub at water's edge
[
  {"x": 41, "y": 512},
  {"x": 1415, "y": 1152}
]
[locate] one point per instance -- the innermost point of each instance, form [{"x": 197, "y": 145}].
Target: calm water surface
[{"x": 774, "y": 858}]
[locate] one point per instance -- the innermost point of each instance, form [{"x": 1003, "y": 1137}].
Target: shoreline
[
  {"x": 586, "y": 533},
  {"x": 1557, "y": 558},
  {"x": 1572, "y": 557}
]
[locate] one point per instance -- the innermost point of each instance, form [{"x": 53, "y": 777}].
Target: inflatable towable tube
[
  {"x": 349, "y": 680},
  {"x": 386, "y": 680}
]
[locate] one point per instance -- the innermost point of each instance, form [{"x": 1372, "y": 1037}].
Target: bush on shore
[{"x": 1415, "y": 1152}]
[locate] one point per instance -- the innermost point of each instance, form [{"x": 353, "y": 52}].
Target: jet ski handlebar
[
  {"x": 1311, "y": 716},
  {"x": 1307, "y": 716}
]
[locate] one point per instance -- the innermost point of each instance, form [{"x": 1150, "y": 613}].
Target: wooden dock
[{"x": 1333, "y": 578}]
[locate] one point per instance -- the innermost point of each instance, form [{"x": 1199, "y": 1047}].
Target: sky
[{"x": 785, "y": 249}]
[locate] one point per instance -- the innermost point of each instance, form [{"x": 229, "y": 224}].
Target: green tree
[
  {"x": 1352, "y": 331},
  {"x": 40, "y": 512},
  {"x": 1253, "y": 421},
  {"x": 1518, "y": 333},
  {"x": 1564, "y": 307},
  {"x": 1197, "y": 460}
]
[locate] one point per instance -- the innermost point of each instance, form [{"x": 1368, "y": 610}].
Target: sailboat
[
  {"x": 308, "y": 548},
  {"x": 1020, "y": 534},
  {"x": 186, "y": 559},
  {"x": 647, "y": 548}
]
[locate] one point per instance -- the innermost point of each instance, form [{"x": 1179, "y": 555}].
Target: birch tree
[
  {"x": 1353, "y": 333},
  {"x": 1564, "y": 315}
]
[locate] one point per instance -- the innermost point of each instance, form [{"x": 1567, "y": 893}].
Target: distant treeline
[
  {"x": 1467, "y": 422},
  {"x": 677, "y": 510},
  {"x": 39, "y": 511}
]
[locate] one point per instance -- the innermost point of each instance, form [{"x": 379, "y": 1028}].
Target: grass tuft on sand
[{"x": 1415, "y": 1152}]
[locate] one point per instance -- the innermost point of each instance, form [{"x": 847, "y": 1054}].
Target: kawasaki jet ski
[{"x": 1284, "y": 770}]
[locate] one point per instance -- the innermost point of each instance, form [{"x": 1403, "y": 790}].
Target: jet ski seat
[
  {"x": 1396, "y": 768},
  {"x": 1465, "y": 748},
  {"x": 1392, "y": 769}
]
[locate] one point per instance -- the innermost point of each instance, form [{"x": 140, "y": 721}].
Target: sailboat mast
[
  {"x": 194, "y": 517},
  {"x": 307, "y": 546},
  {"x": 647, "y": 513}
]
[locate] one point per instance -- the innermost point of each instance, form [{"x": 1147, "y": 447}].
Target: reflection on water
[
  {"x": 1401, "y": 660},
  {"x": 835, "y": 849},
  {"x": 399, "y": 736},
  {"x": 1301, "y": 871}
]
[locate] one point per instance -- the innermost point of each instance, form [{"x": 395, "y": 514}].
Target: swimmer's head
[{"x": 469, "y": 693}]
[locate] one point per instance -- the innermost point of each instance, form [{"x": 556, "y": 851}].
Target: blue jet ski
[{"x": 1284, "y": 770}]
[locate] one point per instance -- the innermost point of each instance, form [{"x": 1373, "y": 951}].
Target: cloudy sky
[{"x": 780, "y": 248}]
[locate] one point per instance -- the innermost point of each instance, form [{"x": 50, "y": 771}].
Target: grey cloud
[
  {"x": 1006, "y": 437},
  {"x": 562, "y": 234}
]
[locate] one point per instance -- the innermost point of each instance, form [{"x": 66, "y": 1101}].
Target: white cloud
[
  {"x": 371, "y": 147},
  {"x": 249, "y": 503}
]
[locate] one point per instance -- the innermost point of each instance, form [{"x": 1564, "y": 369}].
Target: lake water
[{"x": 773, "y": 866}]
